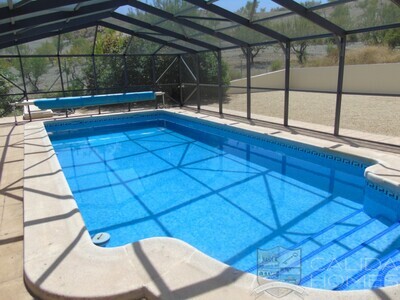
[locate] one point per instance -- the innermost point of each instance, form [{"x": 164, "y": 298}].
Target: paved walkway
[{"x": 11, "y": 206}]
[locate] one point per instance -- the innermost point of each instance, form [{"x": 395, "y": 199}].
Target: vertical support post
[
  {"x": 15, "y": 115},
  {"x": 125, "y": 74},
  {"x": 59, "y": 65},
  {"x": 248, "y": 86},
  {"x": 153, "y": 72},
  {"x": 342, "y": 55},
  {"x": 154, "y": 78},
  {"x": 220, "y": 104},
  {"x": 24, "y": 82},
  {"x": 94, "y": 64},
  {"x": 125, "y": 69},
  {"x": 197, "y": 61},
  {"x": 180, "y": 80},
  {"x": 95, "y": 78},
  {"x": 126, "y": 79},
  {"x": 59, "y": 69},
  {"x": 287, "y": 84}
]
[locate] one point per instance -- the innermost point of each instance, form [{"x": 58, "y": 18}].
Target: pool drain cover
[{"x": 101, "y": 238}]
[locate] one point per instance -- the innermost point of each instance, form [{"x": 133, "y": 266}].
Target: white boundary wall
[{"x": 375, "y": 78}]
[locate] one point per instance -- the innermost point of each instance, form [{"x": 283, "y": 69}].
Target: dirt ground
[{"x": 372, "y": 114}]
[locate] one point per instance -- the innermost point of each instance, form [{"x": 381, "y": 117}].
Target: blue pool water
[{"x": 229, "y": 193}]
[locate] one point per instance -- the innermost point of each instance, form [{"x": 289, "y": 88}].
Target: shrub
[
  {"x": 5, "y": 88},
  {"x": 276, "y": 65}
]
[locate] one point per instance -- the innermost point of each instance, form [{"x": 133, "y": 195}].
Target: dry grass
[
  {"x": 372, "y": 55},
  {"x": 358, "y": 56}
]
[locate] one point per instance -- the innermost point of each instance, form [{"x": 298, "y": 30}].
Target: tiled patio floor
[{"x": 11, "y": 212}]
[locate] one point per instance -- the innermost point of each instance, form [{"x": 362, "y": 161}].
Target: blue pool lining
[
  {"x": 380, "y": 281},
  {"x": 347, "y": 254},
  {"x": 212, "y": 127},
  {"x": 315, "y": 235},
  {"x": 239, "y": 287},
  {"x": 54, "y": 126}
]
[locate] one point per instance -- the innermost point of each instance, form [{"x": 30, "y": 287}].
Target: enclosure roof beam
[
  {"x": 35, "y": 6},
  {"x": 311, "y": 16},
  {"x": 397, "y": 2},
  {"x": 30, "y": 38},
  {"x": 239, "y": 20},
  {"x": 36, "y": 31},
  {"x": 146, "y": 37},
  {"x": 10, "y": 4},
  {"x": 22, "y": 3},
  {"x": 163, "y": 31},
  {"x": 312, "y": 8},
  {"x": 375, "y": 28},
  {"x": 62, "y": 15},
  {"x": 168, "y": 16}
]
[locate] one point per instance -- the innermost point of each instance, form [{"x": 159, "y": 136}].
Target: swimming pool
[{"x": 229, "y": 192}]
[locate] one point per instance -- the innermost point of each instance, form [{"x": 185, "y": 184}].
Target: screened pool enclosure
[{"x": 329, "y": 66}]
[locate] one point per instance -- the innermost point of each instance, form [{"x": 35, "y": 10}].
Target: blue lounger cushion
[{"x": 82, "y": 101}]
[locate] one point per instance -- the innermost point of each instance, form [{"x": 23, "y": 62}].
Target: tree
[
  {"x": 109, "y": 69},
  {"x": 139, "y": 68},
  {"x": 5, "y": 87},
  {"x": 34, "y": 67},
  {"x": 248, "y": 11},
  {"x": 73, "y": 68},
  {"x": 375, "y": 13},
  {"x": 296, "y": 26},
  {"x": 392, "y": 38},
  {"x": 340, "y": 15}
]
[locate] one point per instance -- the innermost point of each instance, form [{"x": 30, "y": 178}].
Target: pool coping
[{"x": 72, "y": 267}]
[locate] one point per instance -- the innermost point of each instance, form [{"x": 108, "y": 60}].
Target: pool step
[{"x": 349, "y": 253}]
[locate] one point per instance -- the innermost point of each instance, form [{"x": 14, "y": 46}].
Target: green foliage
[
  {"x": 124, "y": 73},
  {"x": 392, "y": 38},
  {"x": 5, "y": 88},
  {"x": 139, "y": 68},
  {"x": 172, "y": 6},
  {"x": 248, "y": 9},
  {"x": 110, "y": 42},
  {"x": 296, "y": 26},
  {"x": 341, "y": 16},
  {"x": 72, "y": 73},
  {"x": 376, "y": 13},
  {"x": 242, "y": 33},
  {"x": 276, "y": 65},
  {"x": 77, "y": 71},
  {"x": 35, "y": 67},
  {"x": 109, "y": 69}
]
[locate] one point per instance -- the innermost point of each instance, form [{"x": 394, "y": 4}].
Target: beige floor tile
[
  {"x": 14, "y": 197},
  {"x": 9, "y": 246},
  {"x": 11, "y": 175},
  {"x": 11, "y": 188},
  {"x": 14, "y": 289},
  {"x": 12, "y": 222},
  {"x": 393, "y": 140},
  {"x": 11, "y": 266}
]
